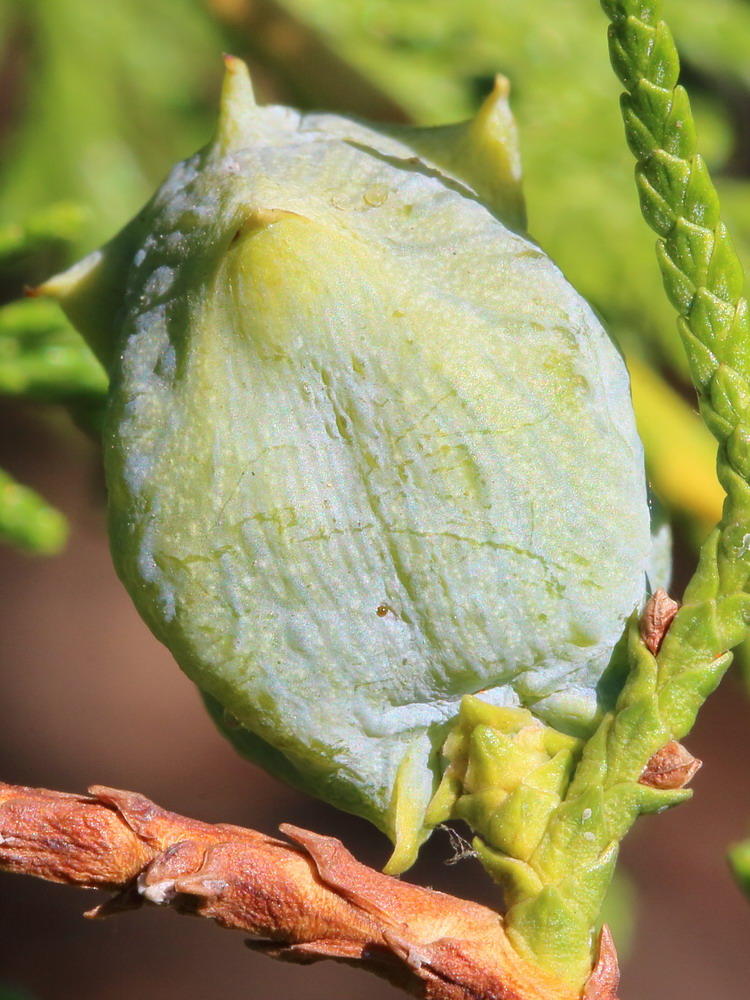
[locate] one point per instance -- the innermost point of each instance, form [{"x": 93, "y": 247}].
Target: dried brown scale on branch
[
  {"x": 656, "y": 618},
  {"x": 605, "y": 978},
  {"x": 303, "y": 901},
  {"x": 671, "y": 767}
]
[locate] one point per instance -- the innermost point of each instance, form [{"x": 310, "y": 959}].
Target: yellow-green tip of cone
[{"x": 237, "y": 106}]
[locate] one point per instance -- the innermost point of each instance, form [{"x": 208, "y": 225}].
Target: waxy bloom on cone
[{"x": 367, "y": 450}]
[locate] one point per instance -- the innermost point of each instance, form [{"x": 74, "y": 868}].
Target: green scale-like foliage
[
  {"x": 43, "y": 360},
  {"x": 703, "y": 279}
]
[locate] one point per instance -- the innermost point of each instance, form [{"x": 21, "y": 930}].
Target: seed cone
[{"x": 367, "y": 451}]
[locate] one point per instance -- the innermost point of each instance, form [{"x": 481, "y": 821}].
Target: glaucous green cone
[{"x": 367, "y": 450}]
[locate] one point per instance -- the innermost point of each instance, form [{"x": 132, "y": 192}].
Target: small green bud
[
  {"x": 506, "y": 774},
  {"x": 367, "y": 450}
]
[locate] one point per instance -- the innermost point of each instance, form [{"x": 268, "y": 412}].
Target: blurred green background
[{"x": 98, "y": 100}]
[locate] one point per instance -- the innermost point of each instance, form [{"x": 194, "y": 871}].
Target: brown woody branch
[{"x": 301, "y": 901}]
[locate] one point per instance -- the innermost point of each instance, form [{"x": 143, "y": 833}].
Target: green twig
[{"x": 58, "y": 223}]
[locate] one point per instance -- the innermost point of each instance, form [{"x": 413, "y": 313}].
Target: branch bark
[{"x": 301, "y": 901}]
